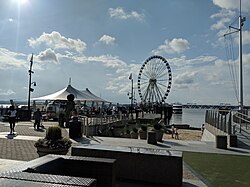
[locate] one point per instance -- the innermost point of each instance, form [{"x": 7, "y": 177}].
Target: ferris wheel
[{"x": 154, "y": 80}]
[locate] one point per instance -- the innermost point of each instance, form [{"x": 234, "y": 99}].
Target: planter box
[
  {"x": 221, "y": 142},
  {"x": 159, "y": 135},
  {"x": 233, "y": 141},
  {"x": 42, "y": 151},
  {"x": 152, "y": 139},
  {"x": 143, "y": 135},
  {"x": 134, "y": 135}
]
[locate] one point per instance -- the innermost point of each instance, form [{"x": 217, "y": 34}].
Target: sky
[{"x": 99, "y": 43}]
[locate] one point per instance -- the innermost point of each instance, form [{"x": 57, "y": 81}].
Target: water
[{"x": 192, "y": 117}]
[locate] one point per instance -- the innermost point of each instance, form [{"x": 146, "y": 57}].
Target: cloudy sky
[{"x": 98, "y": 43}]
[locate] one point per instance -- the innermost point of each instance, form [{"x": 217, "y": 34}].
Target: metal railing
[
  {"x": 91, "y": 125},
  {"x": 227, "y": 121}
]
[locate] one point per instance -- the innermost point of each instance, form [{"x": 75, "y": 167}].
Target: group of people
[{"x": 12, "y": 118}]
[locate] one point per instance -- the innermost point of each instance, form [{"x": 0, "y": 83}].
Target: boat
[{"x": 177, "y": 108}]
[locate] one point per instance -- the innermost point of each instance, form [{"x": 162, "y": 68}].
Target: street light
[
  {"x": 30, "y": 89},
  {"x": 131, "y": 105}
]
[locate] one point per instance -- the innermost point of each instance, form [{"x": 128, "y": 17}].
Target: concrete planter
[
  {"x": 221, "y": 142},
  {"x": 42, "y": 151},
  {"x": 233, "y": 141},
  {"x": 159, "y": 135},
  {"x": 134, "y": 135},
  {"x": 143, "y": 135},
  {"x": 152, "y": 139}
]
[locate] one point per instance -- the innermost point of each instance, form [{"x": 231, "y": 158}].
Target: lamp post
[
  {"x": 132, "y": 97},
  {"x": 29, "y": 87}
]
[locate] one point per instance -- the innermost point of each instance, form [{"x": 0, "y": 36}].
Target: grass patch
[{"x": 220, "y": 169}]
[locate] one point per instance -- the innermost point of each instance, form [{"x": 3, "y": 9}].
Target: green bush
[
  {"x": 135, "y": 130},
  {"x": 53, "y": 139},
  {"x": 54, "y": 133},
  {"x": 144, "y": 127}
]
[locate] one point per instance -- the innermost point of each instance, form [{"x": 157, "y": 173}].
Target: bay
[{"x": 192, "y": 117}]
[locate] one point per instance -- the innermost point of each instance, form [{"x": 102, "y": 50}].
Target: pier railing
[
  {"x": 103, "y": 124},
  {"x": 225, "y": 122},
  {"x": 92, "y": 125}
]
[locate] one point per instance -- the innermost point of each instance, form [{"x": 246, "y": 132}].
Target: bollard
[
  {"x": 221, "y": 142},
  {"x": 233, "y": 141},
  {"x": 152, "y": 138}
]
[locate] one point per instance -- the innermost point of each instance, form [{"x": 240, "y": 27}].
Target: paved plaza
[{"x": 19, "y": 148}]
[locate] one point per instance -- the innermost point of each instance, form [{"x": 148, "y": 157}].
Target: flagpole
[{"x": 29, "y": 89}]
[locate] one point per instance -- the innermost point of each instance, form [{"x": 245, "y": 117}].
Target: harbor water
[{"x": 191, "y": 117}]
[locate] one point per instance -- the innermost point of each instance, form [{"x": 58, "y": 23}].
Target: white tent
[{"x": 79, "y": 95}]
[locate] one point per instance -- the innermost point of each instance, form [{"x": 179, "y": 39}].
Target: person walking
[
  {"x": 172, "y": 131},
  {"x": 37, "y": 117},
  {"x": 12, "y": 113},
  {"x": 176, "y": 134},
  {"x": 202, "y": 128}
]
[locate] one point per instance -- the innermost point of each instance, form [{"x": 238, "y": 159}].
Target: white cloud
[
  {"x": 108, "y": 61},
  {"x": 9, "y": 59},
  {"x": 6, "y": 92},
  {"x": 177, "y": 45},
  {"x": 224, "y": 13},
  {"x": 233, "y": 4},
  {"x": 121, "y": 14},
  {"x": 57, "y": 41},
  {"x": 246, "y": 60},
  {"x": 223, "y": 17},
  {"x": 221, "y": 24},
  {"x": 246, "y": 37},
  {"x": 183, "y": 61},
  {"x": 185, "y": 79},
  {"x": 48, "y": 56},
  {"x": 108, "y": 40}
]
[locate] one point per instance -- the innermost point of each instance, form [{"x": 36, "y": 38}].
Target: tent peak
[{"x": 70, "y": 81}]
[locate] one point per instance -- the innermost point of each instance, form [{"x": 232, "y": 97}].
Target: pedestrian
[
  {"x": 37, "y": 117},
  {"x": 172, "y": 131},
  {"x": 202, "y": 128},
  {"x": 176, "y": 134},
  {"x": 12, "y": 113}
]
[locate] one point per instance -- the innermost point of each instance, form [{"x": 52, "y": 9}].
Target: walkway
[{"x": 15, "y": 149}]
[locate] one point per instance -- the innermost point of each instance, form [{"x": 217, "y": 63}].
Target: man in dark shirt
[{"x": 37, "y": 117}]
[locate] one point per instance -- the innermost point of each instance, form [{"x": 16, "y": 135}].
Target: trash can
[
  {"x": 152, "y": 139},
  {"x": 75, "y": 129},
  {"x": 233, "y": 141},
  {"x": 221, "y": 142}
]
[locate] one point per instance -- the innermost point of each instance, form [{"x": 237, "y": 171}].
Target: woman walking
[{"x": 12, "y": 119}]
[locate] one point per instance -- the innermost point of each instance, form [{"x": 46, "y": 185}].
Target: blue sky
[{"x": 98, "y": 43}]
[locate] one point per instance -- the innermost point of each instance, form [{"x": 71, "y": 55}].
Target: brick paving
[{"x": 19, "y": 149}]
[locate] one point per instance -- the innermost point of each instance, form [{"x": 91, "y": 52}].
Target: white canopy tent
[{"x": 85, "y": 95}]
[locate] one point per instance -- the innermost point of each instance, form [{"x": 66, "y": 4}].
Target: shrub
[
  {"x": 53, "y": 139},
  {"x": 144, "y": 127},
  {"x": 135, "y": 130},
  {"x": 54, "y": 133}
]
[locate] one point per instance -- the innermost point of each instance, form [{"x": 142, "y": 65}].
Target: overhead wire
[{"x": 230, "y": 57}]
